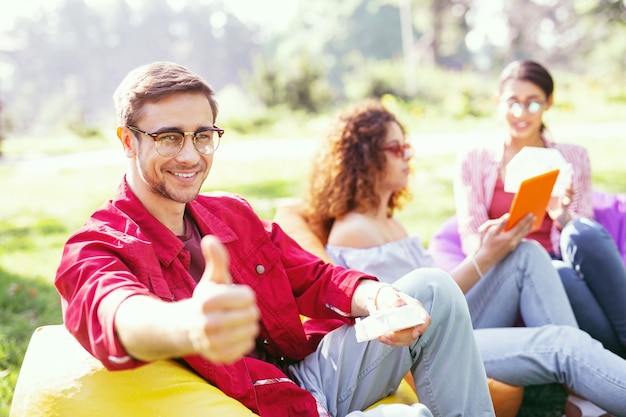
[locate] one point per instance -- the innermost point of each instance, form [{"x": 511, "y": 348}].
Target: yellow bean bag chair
[
  {"x": 507, "y": 399},
  {"x": 59, "y": 378}
]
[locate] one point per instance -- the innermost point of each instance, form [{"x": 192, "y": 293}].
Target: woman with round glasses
[
  {"x": 584, "y": 254},
  {"x": 359, "y": 180}
]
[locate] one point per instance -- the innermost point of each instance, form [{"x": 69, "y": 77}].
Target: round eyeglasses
[
  {"x": 171, "y": 142},
  {"x": 516, "y": 108}
]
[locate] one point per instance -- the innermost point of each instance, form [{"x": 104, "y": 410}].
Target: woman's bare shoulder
[{"x": 355, "y": 230}]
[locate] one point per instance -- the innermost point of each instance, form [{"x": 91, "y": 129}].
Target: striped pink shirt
[{"x": 474, "y": 184}]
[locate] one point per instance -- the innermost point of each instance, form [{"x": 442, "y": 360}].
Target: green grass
[{"x": 43, "y": 203}]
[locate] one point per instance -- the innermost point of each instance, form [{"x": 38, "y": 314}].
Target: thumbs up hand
[
  {"x": 217, "y": 262},
  {"x": 227, "y": 322}
]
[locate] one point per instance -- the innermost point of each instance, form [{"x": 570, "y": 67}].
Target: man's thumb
[{"x": 217, "y": 261}]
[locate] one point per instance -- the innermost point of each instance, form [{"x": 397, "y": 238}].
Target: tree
[{"x": 68, "y": 63}]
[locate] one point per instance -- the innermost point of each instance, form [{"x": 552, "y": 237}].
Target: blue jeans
[
  {"x": 551, "y": 349},
  {"x": 594, "y": 278},
  {"x": 556, "y": 354},
  {"x": 345, "y": 375},
  {"x": 522, "y": 285}
]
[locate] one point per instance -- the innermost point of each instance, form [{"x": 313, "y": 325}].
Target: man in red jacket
[{"x": 161, "y": 271}]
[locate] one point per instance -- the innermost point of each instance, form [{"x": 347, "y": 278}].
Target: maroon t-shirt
[{"x": 192, "y": 239}]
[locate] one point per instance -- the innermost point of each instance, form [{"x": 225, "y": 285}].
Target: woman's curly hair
[{"x": 346, "y": 170}]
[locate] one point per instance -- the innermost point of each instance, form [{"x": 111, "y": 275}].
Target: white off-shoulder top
[{"x": 387, "y": 262}]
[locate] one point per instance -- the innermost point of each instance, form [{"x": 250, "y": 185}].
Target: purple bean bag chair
[{"x": 609, "y": 210}]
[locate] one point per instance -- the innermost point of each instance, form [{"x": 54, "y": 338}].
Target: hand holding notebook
[{"x": 533, "y": 197}]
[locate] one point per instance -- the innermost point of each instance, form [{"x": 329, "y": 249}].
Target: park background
[{"x": 281, "y": 69}]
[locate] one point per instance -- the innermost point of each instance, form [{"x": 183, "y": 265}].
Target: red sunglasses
[{"x": 404, "y": 151}]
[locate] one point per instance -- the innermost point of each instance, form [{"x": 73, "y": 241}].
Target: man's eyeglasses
[
  {"x": 171, "y": 142},
  {"x": 516, "y": 108},
  {"x": 404, "y": 150}
]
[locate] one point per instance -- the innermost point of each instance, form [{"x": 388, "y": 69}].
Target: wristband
[{"x": 476, "y": 267}]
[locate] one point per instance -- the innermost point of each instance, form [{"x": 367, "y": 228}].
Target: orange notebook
[{"x": 533, "y": 197}]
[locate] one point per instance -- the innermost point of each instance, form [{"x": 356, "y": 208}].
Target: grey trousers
[{"x": 450, "y": 379}]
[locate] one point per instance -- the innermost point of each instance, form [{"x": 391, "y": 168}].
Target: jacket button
[
  {"x": 260, "y": 269},
  {"x": 266, "y": 342}
]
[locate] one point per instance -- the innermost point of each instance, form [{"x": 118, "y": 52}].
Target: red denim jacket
[{"x": 123, "y": 251}]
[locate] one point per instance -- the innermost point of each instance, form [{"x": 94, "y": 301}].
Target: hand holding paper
[{"x": 532, "y": 161}]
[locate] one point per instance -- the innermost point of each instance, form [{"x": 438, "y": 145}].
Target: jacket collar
[{"x": 167, "y": 245}]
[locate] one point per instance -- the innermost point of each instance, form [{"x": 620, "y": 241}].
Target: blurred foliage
[
  {"x": 57, "y": 75},
  {"x": 301, "y": 86}
]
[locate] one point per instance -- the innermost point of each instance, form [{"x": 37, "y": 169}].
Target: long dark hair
[{"x": 531, "y": 71}]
